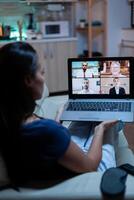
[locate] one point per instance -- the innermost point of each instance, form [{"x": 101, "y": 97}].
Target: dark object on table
[
  {"x": 113, "y": 183},
  {"x": 128, "y": 168}
]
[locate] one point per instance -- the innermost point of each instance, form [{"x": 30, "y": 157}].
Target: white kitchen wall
[{"x": 119, "y": 16}]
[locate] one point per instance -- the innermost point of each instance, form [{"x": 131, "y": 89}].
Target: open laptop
[{"x": 100, "y": 89}]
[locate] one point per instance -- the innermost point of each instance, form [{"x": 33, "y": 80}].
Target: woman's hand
[{"x": 104, "y": 126}]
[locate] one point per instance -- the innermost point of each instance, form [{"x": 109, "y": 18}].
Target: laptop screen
[{"x": 100, "y": 77}]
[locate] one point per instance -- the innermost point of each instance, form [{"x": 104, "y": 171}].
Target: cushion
[
  {"x": 49, "y": 106},
  {"x": 124, "y": 155},
  {"x": 44, "y": 95},
  {"x": 40, "y": 101},
  {"x": 45, "y": 92}
]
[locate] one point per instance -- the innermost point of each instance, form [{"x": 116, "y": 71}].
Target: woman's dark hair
[{"x": 17, "y": 60}]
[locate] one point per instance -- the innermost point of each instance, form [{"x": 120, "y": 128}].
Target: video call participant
[
  {"x": 116, "y": 69},
  {"x": 117, "y": 89},
  {"x": 86, "y": 87}
]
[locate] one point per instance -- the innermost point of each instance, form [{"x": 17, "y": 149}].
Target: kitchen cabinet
[{"x": 53, "y": 55}]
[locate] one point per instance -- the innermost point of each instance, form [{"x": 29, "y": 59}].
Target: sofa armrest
[
  {"x": 81, "y": 187},
  {"x": 85, "y": 186}
]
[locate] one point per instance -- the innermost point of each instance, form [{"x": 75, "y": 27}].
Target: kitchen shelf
[{"x": 93, "y": 31}]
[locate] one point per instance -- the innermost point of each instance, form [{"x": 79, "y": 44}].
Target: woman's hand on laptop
[{"x": 104, "y": 126}]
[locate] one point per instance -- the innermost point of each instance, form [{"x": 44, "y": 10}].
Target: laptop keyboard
[{"x": 100, "y": 106}]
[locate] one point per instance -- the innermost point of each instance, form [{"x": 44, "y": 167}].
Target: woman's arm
[{"x": 78, "y": 161}]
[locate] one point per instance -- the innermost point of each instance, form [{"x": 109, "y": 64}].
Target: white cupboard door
[
  {"x": 65, "y": 50},
  {"x": 51, "y": 67},
  {"x": 59, "y": 52}
]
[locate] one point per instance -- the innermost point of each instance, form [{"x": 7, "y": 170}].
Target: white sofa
[{"x": 81, "y": 187}]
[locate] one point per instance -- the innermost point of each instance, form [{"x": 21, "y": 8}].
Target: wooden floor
[{"x": 129, "y": 133}]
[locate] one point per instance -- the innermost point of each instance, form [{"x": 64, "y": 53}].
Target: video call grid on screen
[{"x": 101, "y": 77}]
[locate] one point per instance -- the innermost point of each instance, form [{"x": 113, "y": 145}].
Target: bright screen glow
[{"x": 101, "y": 77}]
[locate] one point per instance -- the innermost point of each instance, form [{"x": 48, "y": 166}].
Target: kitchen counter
[
  {"x": 53, "y": 40},
  {"x": 42, "y": 40}
]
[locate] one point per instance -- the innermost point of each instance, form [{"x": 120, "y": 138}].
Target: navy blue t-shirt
[{"x": 43, "y": 142}]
